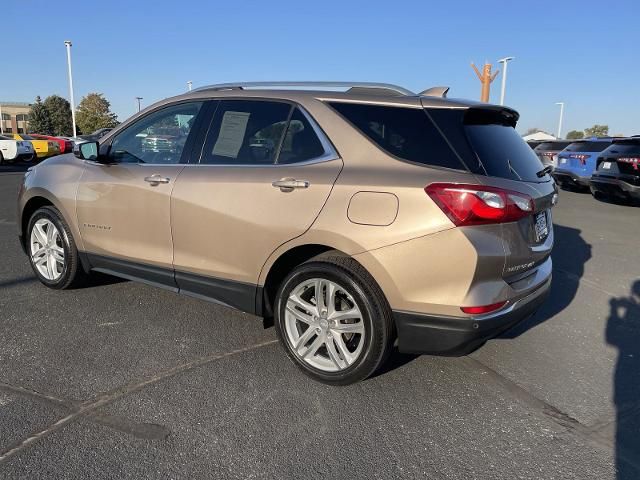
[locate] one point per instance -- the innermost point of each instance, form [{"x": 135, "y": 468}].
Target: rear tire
[
  {"x": 52, "y": 250},
  {"x": 345, "y": 334}
]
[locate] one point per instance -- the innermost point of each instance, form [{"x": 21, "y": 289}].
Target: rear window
[
  {"x": 27, "y": 137},
  {"x": 503, "y": 153},
  {"x": 406, "y": 133},
  {"x": 625, "y": 147},
  {"x": 547, "y": 146},
  {"x": 587, "y": 147}
]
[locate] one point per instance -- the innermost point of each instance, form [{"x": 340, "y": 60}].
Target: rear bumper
[
  {"x": 568, "y": 177},
  {"x": 440, "y": 335},
  {"x": 614, "y": 186}
]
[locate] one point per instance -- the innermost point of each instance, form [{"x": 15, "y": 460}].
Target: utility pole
[
  {"x": 485, "y": 79},
  {"x": 560, "y": 121},
  {"x": 189, "y": 85},
  {"x": 138, "y": 99},
  {"x": 504, "y": 62},
  {"x": 73, "y": 105}
]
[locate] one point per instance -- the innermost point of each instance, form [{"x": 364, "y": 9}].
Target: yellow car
[{"x": 43, "y": 148}]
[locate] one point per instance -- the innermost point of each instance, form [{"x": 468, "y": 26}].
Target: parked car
[
  {"x": 383, "y": 216},
  {"x": 43, "y": 148},
  {"x": 547, "y": 152},
  {"x": 534, "y": 143},
  {"x": 618, "y": 171},
  {"x": 66, "y": 146},
  {"x": 95, "y": 136},
  {"x": 12, "y": 150},
  {"x": 577, "y": 162}
]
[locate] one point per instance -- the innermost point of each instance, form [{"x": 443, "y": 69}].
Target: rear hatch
[
  {"x": 492, "y": 149},
  {"x": 580, "y": 157},
  {"x": 621, "y": 160}
]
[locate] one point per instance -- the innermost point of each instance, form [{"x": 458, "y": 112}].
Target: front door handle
[
  {"x": 289, "y": 184},
  {"x": 156, "y": 179}
]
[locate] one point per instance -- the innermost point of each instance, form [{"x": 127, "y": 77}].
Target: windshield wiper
[{"x": 544, "y": 171}]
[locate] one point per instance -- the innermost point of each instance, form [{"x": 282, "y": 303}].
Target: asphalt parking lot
[{"x": 121, "y": 380}]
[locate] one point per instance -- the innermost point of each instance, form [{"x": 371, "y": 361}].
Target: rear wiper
[{"x": 544, "y": 171}]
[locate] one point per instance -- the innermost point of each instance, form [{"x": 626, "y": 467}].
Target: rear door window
[
  {"x": 246, "y": 132},
  {"x": 405, "y": 133}
]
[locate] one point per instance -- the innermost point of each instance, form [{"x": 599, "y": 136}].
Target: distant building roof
[
  {"x": 14, "y": 104},
  {"x": 538, "y": 136}
]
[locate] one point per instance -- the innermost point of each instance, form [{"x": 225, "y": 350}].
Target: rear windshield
[
  {"x": 503, "y": 153},
  {"x": 546, "y": 146},
  {"x": 624, "y": 147},
  {"x": 26, "y": 137},
  {"x": 587, "y": 147},
  {"x": 406, "y": 133}
]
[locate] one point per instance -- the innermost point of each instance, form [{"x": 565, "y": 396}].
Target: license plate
[
  {"x": 606, "y": 165},
  {"x": 563, "y": 160},
  {"x": 542, "y": 229}
]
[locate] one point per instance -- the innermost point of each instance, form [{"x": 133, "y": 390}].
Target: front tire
[
  {"x": 52, "y": 251},
  {"x": 333, "y": 320}
]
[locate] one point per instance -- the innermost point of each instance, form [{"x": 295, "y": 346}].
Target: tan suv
[{"x": 353, "y": 219}]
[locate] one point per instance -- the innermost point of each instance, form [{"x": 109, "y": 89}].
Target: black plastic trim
[{"x": 455, "y": 336}]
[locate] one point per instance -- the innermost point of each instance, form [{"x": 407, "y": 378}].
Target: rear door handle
[
  {"x": 289, "y": 184},
  {"x": 156, "y": 179}
]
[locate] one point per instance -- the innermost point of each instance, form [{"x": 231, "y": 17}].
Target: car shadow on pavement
[
  {"x": 15, "y": 167},
  {"x": 623, "y": 333},
  {"x": 570, "y": 254}
]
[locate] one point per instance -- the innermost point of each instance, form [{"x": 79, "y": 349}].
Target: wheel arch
[
  {"x": 281, "y": 267},
  {"x": 30, "y": 207}
]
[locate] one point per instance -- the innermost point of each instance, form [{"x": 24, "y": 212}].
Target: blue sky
[{"x": 586, "y": 56}]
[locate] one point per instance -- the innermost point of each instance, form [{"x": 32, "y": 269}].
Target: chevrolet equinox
[{"x": 354, "y": 216}]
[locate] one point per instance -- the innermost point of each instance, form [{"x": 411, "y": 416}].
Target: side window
[
  {"x": 246, "y": 132},
  {"x": 406, "y": 133},
  {"x": 157, "y": 138},
  {"x": 300, "y": 142}
]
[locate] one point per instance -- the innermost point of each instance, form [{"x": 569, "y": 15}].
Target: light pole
[
  {"x": 73, "y": 105},
  {"x": 189, "y": 85},
  {"x": 1, "y": 121},
  {"x": 138, "y": 99},
  {"x": 560, "y": 121},
  {"x": 504, "y": 62}
]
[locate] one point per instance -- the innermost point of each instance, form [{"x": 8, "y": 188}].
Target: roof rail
[
  {"x": 435, "y": 92},
  {"x": 383, "y": 87}
]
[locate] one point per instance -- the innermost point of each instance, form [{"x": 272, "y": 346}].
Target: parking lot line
[{"x": 86, "y": 408}]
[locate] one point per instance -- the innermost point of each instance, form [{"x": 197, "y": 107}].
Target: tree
[
  {"x": 575, "y": 135},
  {"x": 60, "y": 115},
  {"x": 93, "y": 113},
  {"x": 597, "y": 131},
  {"x": 39, "y": 121}
]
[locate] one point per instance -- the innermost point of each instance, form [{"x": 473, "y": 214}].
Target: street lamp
[
  {"x": 1, "y": 121},
  {"x": 504, "y": 62},
  {"x": 560, "y": 121},
  {"x": 138, "y": 99},
  {"x": 73, "y": 105},
  {"x": 189, "y": 85}
]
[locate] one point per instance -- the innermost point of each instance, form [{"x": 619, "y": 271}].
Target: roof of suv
[{"x": 379, "y": 93}]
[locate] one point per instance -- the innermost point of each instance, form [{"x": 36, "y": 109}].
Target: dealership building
[{"x": 15, "y": 117}]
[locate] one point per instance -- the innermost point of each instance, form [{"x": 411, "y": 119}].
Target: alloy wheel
[
  {"x": 47, "y": 249},
  {"x": 324, "y": 325}
]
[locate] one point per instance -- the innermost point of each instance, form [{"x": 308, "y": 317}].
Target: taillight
[
  {"x": 548, "y": 154},
  {"x": 634, "y": 161},
  {"x": 479, "y": 204},
  {"x": 483, "y": 309},
  {"x": 580, "y": 156}
]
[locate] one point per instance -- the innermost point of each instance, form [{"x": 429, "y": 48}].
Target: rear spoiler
[{"x": 487, "y": 114}]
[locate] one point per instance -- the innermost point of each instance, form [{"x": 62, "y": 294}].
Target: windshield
[
  {"x": 503, "y": 153},
  {"x": 587, "y": 146},
  {"x": 552, "y": 146}
]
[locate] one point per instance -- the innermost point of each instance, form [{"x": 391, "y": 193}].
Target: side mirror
[{"x": 86, "y": 151}]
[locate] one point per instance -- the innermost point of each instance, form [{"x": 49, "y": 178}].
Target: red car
[{"x": 66, "y": 146}]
